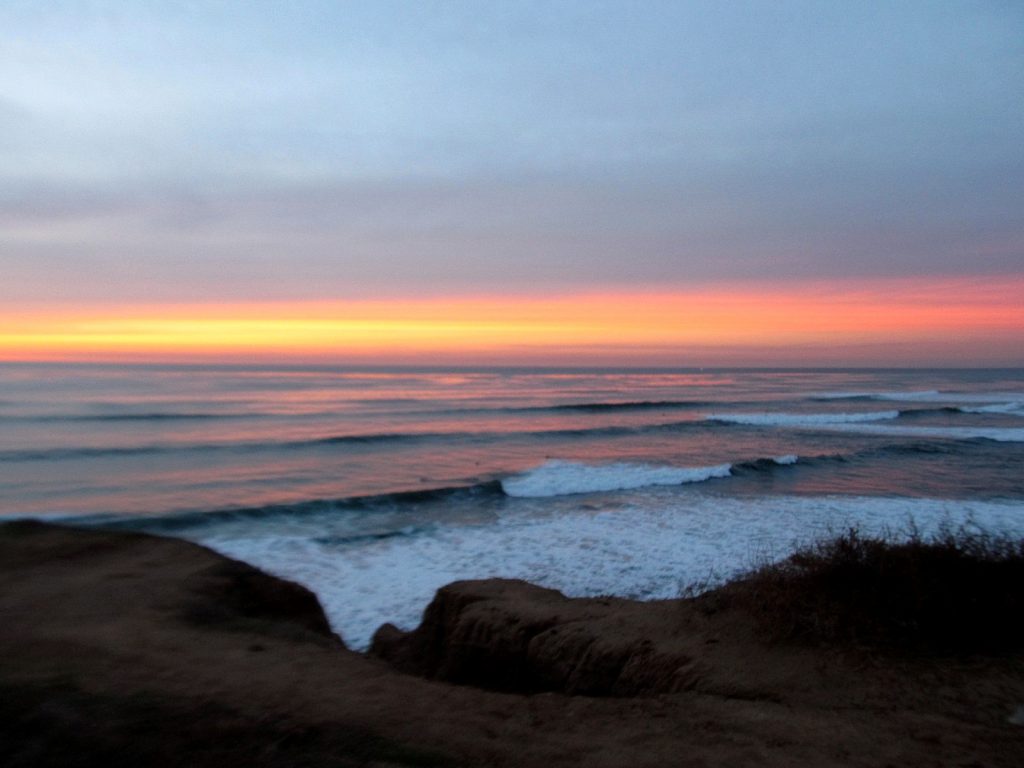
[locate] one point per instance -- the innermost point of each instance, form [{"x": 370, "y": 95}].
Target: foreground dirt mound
[
  {"x": 510, "y": 635},
  {"x": 514, "y": 636},
  {"x": 127, "y": 649},
  {"x": 207, "y": 589}
]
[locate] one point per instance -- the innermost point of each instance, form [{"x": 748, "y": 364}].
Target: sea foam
[
  {"x": 560, "y": 478},
  {"x": 800, "y": 419},
  {"x": 649, "y": 549},
  {"x": 994, "y": 408},
  {"x": 927, "y": 395},
  {"x": 997, "y": 434},
  {"x": 930, "y": 396}
]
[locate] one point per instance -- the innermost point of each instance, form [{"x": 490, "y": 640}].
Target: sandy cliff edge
[{"x": 120, "y": 648}]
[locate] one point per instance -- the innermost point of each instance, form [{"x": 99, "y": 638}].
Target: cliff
[{"x": 128, "y": 649}]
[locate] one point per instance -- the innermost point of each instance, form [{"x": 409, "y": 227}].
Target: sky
[{"x": 667, "y": 183}]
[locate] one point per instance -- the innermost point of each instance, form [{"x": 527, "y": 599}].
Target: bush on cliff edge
[{"x": 956, "y": 592}]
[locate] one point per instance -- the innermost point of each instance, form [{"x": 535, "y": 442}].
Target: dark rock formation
[
  {"x": 514, "y": 636},
  {"x": 214, "y": 590},
  {"x": 234, "y": 593}
]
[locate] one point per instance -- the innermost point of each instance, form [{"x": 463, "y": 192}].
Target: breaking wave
[
  {"x": 997, "y": 434},
  {"x": 992, "y": 402},
  {"x": 925, "y": 395},
  {"x": 562, "y": 478},
  {"x": 994, "y": 408},
  {"x": 553, "y": 478},
  {"x": 800, "y": 419},
  {"x": 606, "y": 407}
]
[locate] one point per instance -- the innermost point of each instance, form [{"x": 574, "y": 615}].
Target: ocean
[{"x": 374, "y": 487}]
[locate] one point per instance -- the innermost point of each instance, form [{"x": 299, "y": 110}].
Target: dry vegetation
[{"x": 959, "y": 591}]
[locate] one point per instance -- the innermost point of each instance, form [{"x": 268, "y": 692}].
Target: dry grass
[{"x": 956, "y": 592}]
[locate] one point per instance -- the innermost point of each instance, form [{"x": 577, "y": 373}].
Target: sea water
[{"x": 375, "y": 487}]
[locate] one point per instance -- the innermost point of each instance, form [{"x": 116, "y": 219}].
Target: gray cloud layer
[{"x": 282, "y": 151}]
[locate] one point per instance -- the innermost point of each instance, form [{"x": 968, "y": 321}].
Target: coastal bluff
[
  {"x": 130, "y": 649},
  {"x": 510, "y": 635}
]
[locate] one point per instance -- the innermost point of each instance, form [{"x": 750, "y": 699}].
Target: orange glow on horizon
[{"x": 807, "y": 316}]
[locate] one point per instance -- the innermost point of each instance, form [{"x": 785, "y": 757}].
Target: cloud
[
  {"x": 174, "y": 151},
  {"x": 433, "y": 238},
  {"x": 168, "y": 93}
]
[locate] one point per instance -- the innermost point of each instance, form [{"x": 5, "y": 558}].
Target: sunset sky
[{"x": 680, "y": 183}]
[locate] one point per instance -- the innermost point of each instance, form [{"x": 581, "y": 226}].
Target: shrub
[{"x": 956, "y": 592}]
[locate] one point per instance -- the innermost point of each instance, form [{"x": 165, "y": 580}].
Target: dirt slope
[{"x": 126, "y": 649}]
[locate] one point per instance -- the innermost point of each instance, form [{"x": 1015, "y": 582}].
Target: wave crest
[
  {"x": 800, "y": 419},
  {"x": 994, "y": 408},
  {"x": 926, "y": 395},
  {"x": 560, "y": 478}
]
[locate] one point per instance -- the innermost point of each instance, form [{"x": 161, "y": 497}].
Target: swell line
[
  {"x": 614, "y": 406},
  {"x": 871, "y": 422},
  {"x": 79, "y": 452},
  {"x": 120, "y": 417},
  {"x": 200, "y": 518},
  {"x": 549, "y": 479}
]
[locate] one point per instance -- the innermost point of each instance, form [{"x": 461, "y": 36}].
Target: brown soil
[{"x": 127, "y": 649}]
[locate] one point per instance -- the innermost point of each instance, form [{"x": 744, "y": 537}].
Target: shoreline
[{"x": 122, "y": 644}]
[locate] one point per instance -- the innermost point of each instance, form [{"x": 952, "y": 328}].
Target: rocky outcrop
[
  {"x": 192, "y": 582},
  {"x": 514, "y": 636},
  {"x": 231, "y": 593}
]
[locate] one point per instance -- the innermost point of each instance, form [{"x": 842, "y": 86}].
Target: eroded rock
[{"x": 514, "y": 636}]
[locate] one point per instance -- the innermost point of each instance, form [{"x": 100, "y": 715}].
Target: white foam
[
  {"x": 994, "y": 408},
  {"x": 560, "y": 478},
  {"x": 926, "y": 395},
  {"x": 787, "y": 459},
  {"x": 650, "y": 549},
  {"x": 999, "y": 434},
  {"x": 861, "y": 422},
  {"x": 932, "y": 396},
  {"x": 800, "y": 419},
  {"x": 989, "y": 397}
]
